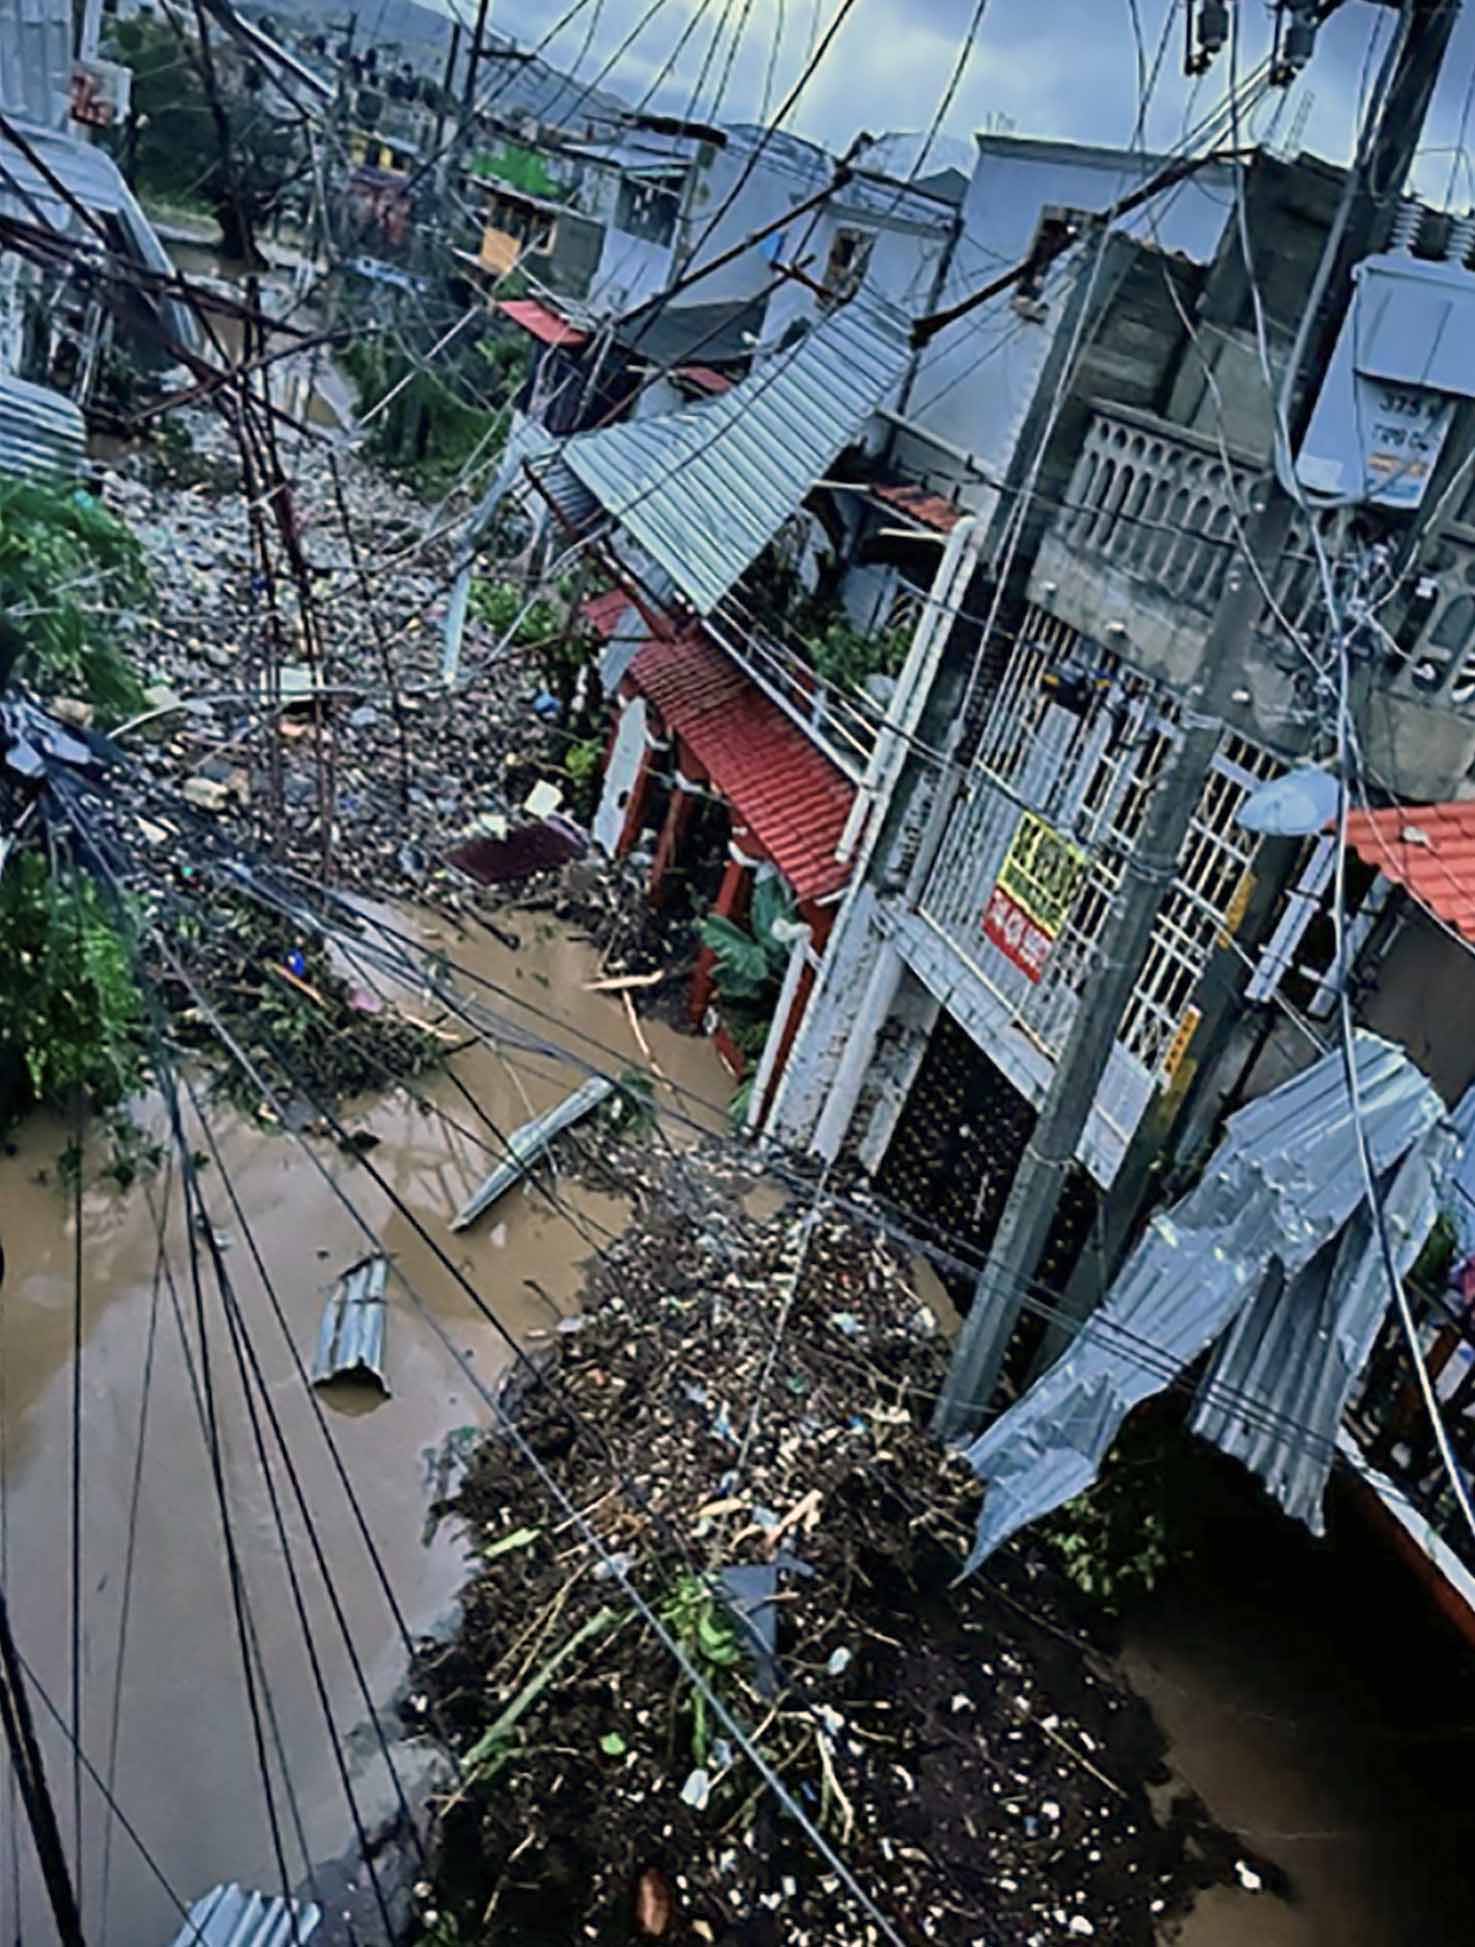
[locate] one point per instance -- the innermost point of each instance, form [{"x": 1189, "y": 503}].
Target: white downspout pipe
[{"x": 800, "y": 950}]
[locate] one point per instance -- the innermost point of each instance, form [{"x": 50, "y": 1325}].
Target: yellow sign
[
  {"x": 1178, "y": 1046},
  {"x": 1033, "y": 894}
]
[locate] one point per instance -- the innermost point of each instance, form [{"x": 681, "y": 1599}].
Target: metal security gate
[{"x": 953, "y": 1157}]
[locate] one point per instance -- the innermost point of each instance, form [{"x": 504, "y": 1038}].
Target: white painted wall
[
  {"x": 620, "y": 774},
  {"x": 976, "y": 380}
]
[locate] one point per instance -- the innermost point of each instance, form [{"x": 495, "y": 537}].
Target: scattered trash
[
  {"x": 529, "y": 849},
  {"x": 839, "y": 1662},
  {"x": 697, "y": 1789},
  {"x": 1248, "y": 1878},
  {"x": 613, "y": 1745},
  {"x": 846, "y": 1322},
  {"x": 654, "y": 1905},
  {"x": 543, "y": 800},
  {"x": 505, "y": 1544},
  {"x": 351, "y": 1338}
]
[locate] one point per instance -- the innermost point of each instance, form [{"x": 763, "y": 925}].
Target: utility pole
[
  {"x": 473, "y": 62},
  {"x": 30, "y": 1771},
  {"x": 1151, "y": 867}
]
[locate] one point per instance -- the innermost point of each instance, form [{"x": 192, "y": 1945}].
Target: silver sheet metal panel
[
  {"x": 93, "y": 179},
  {"x": 42, "y": 434},
  {"x": 528, "y": 1144},
  {"x": 704, "y": 489},
  {"x": 232, "y": 1917},
  {"x": 1283, "y": 1377},
  {"x": 351, "y": 1337},
  {"x": 1279, "y": 1189},
  {"x": 36, "y": 60}
]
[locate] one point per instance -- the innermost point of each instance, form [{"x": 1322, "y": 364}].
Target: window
[
  {"x": 850, "y": 253},
  {"x": 648, "y": 207}
]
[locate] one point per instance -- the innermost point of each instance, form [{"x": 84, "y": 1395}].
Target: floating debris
[
  {"x": 351, "y": 1338},
  {"x": 529, "y": 1144}
]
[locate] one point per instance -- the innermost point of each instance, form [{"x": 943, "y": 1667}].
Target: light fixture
[{"x": 1293, "y": 806}]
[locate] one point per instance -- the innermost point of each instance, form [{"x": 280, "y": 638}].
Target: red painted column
[
  {"x": 679, "y": 815},
  {"x": 731, "y": 903}
]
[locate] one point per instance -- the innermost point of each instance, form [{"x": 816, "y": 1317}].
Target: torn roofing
[
  {"x": 36, "y": 60},
  {"x": 231, "y": 1917},
  {"x": 792, "y": 798},
  {"x": 1279, "y": 1188},
  {"x": 704, "y": 489},
  {"x": 41, "y": 432},
  {"x": 93, "y": 180},
  {"x": 1427, "y": 848}
]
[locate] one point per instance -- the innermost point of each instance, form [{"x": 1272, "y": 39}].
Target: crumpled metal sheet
[
  {"x": 704, "y": 489},
  {"x": 1280, "y": 1187},
  {"x": 42, "y": 434},
  {"x": 232, "y": 1917},
  {"x": 1282, "y": 1380},
  {"x": 351, "y": 1337}
]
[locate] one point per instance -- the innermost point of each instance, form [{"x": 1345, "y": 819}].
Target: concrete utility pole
[{"x": 1150, "y": 869}]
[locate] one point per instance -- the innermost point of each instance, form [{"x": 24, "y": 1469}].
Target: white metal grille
[{"x": 1090, "y": 770}]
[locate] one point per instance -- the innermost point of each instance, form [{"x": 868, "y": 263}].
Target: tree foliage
[
  {"x": 172, "y": 146},
  {"x": 70, "y": 1013},
  {"x": 69, "y": 574}
]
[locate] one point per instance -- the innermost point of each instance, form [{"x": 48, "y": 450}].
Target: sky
[{"x": 1064, "y": 69}]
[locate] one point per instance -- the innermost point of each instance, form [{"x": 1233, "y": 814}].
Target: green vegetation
[
  {"x": 240, "y": 162},
  {"x": 844, "y": 656},
  {"x": 66, "y": 570},
  {"x": 71, "y": 1018},
  {"x": 1116, "y": 1539},
  {"x": 447, "y": 417},
  {"x": 523, "y": 169},
  {"x": 704, "y": 1632},
  {"x": 750, "y": 964}
]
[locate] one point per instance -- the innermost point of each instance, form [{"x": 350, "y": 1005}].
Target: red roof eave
[
  {"x": 781, "y": 786},
  {"x": 1429, "y": 850},
  {"x": 930, "y": 509},
  {"x": 543, "y": 323}
]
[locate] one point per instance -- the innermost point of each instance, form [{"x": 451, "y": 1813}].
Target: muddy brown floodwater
[
  {"x": 1313, "y": 1700},
  {"x": 185, "y": 1769}
]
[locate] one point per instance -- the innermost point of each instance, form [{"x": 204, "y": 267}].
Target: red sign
[{"x": 1019, "y": 937}]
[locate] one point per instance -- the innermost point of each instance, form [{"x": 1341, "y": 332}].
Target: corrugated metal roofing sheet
[
  {"x": 1294, "y": 1352},
  {"x": 231, "y": 1917},
  {"x": 36, "y": 60},
  {"x": 41, "y": 432},
  {"x": 704, "y": 489},
  {"x": 791, "y": 796},
  {"x": 529, "y": 1144},
  {"x": 351, "y": 1337},
  {"x": 92, "y": 177},
  {"x": 1430, "y": 849},
  {"x": 542, "y": 322},
  {"x": 1278, "y": 1189}
]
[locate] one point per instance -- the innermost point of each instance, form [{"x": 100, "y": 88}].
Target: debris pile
[
  {"x": 416, "y": 771},
  {"x": 736, "y": 1429}
]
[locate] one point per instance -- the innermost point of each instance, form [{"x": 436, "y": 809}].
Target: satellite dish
[{"x": 1293, "y": 806}]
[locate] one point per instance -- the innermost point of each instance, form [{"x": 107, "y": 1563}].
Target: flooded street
[
  {"x": 1313, "y": 1701},
  {"x": 171, "y": 1725}
]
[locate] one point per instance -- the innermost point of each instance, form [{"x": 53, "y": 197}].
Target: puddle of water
[{"x": 187, "y": 1771}]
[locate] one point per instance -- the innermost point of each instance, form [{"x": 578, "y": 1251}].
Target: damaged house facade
[
  {"x": 69, "y": 227},
  {"x": 1048, "y": 544}
]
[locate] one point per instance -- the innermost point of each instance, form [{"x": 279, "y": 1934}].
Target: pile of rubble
[
  {"x": 736, "y": 1429},
  {"x": 413, "y": 770}
]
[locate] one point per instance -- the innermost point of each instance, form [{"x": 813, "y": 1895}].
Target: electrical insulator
[
  {"x": 1297, "y": 39},
  {"x": 1208, "y": 30}
]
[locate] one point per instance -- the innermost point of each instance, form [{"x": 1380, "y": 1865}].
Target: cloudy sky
[{"x": 1059, "y": 68}]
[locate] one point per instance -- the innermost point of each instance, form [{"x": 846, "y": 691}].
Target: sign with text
[{"x": 1033, "y": 894}]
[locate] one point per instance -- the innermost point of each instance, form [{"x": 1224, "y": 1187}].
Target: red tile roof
[
  {"x": 541, "y": 322},
  {"x": 1428, "y": 848},
  {"x": 603, "y": 612},
  {"x": 791, "y": 796},
  {"x": 928, "y": 508}
]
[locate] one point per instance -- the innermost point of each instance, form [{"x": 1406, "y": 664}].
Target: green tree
[
  {"x": 234, "y": 156},
  {"x": 70, "y": 575}
]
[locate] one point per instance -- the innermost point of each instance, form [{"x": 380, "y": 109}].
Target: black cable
[
  {"x": 76, "y": 1477},
  {"x": 236, "y": 1314},
  {"x": 130, "y": 1552},
  {"x": 30, "y": 1771}
]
